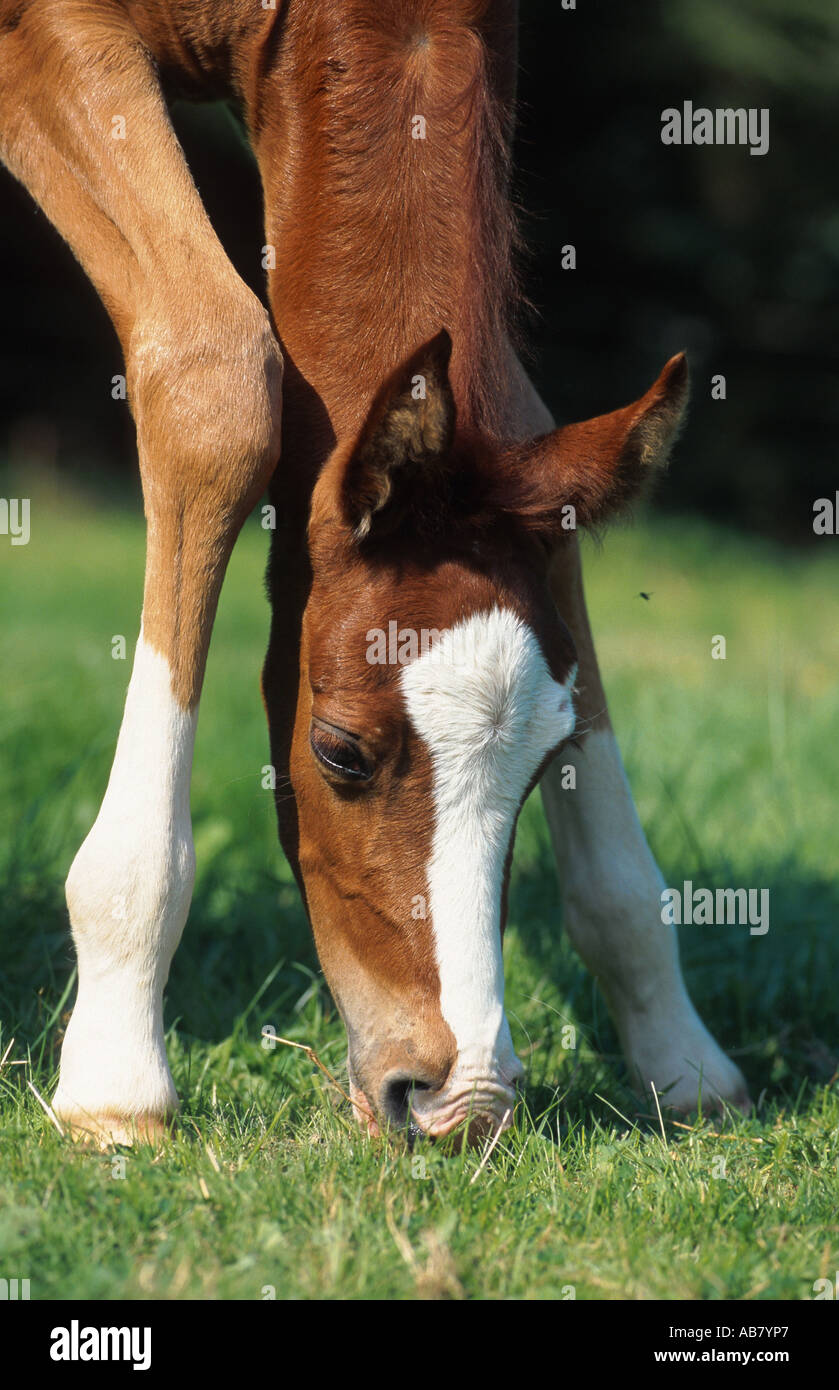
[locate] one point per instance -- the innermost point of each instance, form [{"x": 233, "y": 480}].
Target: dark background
[{"x": 732, "y": 256}]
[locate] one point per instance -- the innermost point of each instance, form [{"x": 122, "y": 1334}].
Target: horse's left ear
[
  {"x": 596, "y": 466},
  {"x": 403, "y": 442}
]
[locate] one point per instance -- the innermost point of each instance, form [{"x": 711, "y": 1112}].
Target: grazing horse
[{"x": 420, "y": 489}]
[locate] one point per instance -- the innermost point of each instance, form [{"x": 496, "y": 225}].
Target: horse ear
[
  {"x": 597, "y": 466},
  {"x": 404, "y": 440}
]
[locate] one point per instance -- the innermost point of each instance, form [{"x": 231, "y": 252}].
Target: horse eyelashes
[{"x": 339, "y": 755}]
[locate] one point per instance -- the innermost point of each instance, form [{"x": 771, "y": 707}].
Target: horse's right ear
[
  {"x": 597, "y": 466},
  {"x": 403, "y": 443}
]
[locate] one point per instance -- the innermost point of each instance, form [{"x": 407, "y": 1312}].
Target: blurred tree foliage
[{"x": 732, "y": 256}]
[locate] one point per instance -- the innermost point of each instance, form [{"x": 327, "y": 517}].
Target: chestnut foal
[{"x": 421, "y": 483}]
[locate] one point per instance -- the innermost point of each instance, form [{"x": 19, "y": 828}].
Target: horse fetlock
[
  {"x": 671, "y": 1049},
  {"x": 115, "y": 1079},
  {"x": 635, "y": 960}
]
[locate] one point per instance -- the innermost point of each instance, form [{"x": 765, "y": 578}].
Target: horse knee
[{"x": 207, "y": 399}]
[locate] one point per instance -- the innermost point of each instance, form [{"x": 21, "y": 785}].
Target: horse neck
[{"x": 383, "y": 153}]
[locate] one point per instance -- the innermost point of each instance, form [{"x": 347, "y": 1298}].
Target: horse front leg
[
  {"x": 611, "y": 885},
  {"x": 204, "y": 372},
  {"x": 130, "y": 885},
  {"x": 611, "y": 888}
]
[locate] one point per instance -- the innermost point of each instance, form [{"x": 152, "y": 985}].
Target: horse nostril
[{"x": 397, "y": 1094}]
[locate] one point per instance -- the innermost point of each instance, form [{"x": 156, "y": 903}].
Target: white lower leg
[
  {"x": 128, "y": 892},
  {"x": 611, "y": 893}
]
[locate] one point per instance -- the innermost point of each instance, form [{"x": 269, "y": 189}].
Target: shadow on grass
[{"x": 247, "y": 958}]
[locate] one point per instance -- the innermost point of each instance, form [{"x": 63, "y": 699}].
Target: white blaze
[{"x": 488, "y": 709}]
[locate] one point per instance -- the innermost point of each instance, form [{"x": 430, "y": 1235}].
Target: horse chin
[{"x": 363, "y": 1111}]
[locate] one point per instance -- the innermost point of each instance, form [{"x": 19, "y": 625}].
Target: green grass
[{"x": 267, "y": 1182}]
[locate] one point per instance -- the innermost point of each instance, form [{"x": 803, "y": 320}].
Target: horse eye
[{"x": 339, "y": 752}]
